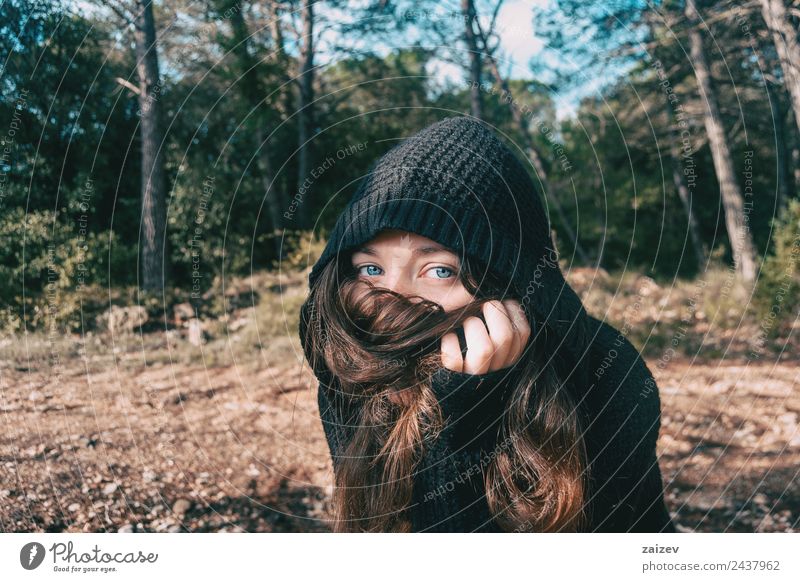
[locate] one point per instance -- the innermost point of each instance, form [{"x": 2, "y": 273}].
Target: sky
[
  {"x": 518, "y": 43},
  {"x": 517, "y": 40}
]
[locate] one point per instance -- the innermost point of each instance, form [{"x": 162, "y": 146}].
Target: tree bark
[
  {"x": 796, "y": 166},
  {"x": 276, "y": 31},
  {"x": 253, "y": 89},
  {"x": 787, "y": 47},
  {"x": 684, "y": 193},
  {"x": 682, "y": 188},
  {"x": 685, "y": 196},
  {"x": 153, "y": 186},
  {"x": 305, "y": 113},
  {"x": 536, "y": 160},
  {"x": 741, "y": 239},
  {"x": 784, "y": 190},
  {"x": 468, "y": 13}
]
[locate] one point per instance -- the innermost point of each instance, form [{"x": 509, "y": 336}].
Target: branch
[
  {"x": 484, "y": 36},
  {"x": 120, "y": 12},
  {"x": 531, "y": 152},
  {"x": 293, "y": 23},
  {"x": 495, "y": 13},
  {"x": 675, "y": 25},
  {"x": 725, "y": 11},
  {"x": 162, "y": 28},
  {"x": 128, "y": 85}
]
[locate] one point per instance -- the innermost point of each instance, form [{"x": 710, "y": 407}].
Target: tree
[
  {"x": 741, "y": 238},
  {"x": 305, "y": 110},
  {"x": 788, "y": 48},
  {"x": 675, "y": 145},
  {"x": 154, "y": 189},
  {"x": 623, "y": 33},
  {"x": 475, "y": 57},
  {"x": 252, "y": 74},
  {"x": 153, "y": 255},
  {"x": 530, "y": 149}
]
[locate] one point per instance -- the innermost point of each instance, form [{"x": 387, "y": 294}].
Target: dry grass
[{"x": 147, "y": 432}]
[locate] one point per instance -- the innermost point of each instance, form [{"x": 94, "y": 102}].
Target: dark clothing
[
  {"x": 456, "y": 183},
  {"x": 626, "y": 491}
]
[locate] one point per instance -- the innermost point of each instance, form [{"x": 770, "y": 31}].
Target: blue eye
[
  {"x": 369, "y": 274},
  {"x": 439, "y": 270}
]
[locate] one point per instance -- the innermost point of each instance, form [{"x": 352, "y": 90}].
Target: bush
[
  {"x": 778, "y": 292},
  {"x": 49, "y": 269},
  {"x": 303, "y": 249}
]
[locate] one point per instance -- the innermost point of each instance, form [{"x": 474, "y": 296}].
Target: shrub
[
  {"x": 51, "y": 270},
  {"x": 778, "y": 292}
]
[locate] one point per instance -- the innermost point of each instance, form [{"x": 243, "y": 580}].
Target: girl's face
[{"x": 410, "y": 264}]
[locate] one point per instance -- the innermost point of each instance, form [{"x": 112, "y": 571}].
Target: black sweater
[
  {"x": 623, "y": 407},
  {"x": 457, "y": 183}
]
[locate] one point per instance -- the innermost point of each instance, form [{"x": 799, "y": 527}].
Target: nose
[{"x": 399, "y": 284}]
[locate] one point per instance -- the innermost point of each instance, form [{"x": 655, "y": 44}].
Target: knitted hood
[{"x": 456, "y": 183}]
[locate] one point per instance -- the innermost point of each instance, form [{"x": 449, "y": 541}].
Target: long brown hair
[{"x": 381, "y": 349}]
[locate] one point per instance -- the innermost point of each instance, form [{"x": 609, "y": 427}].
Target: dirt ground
[{"x": 181, "y": 447}]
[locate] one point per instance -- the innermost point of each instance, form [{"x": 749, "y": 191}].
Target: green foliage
[
  {"x": 777, "y": 294},
  {"x": 49, "y": 268},
  {"x": 71, "y": 183},
  {"x": 303, "y": 250}
]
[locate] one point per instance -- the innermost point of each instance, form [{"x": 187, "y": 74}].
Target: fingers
[
  {"x": 451, "y": 352},
  {"x": 495, "y": 345},
  {"x": 501, "y": 333},
  {"x": 521, "y": 325},
  {"x": 480, "y": 349}
]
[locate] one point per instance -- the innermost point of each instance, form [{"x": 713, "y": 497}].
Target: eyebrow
[{"x": 427, "y": 250}]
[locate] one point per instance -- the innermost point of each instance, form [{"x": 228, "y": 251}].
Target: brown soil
[{"x": 241, "y": 448}]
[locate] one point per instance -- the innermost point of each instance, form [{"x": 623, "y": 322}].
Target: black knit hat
[{"x": 456, "y": 183}]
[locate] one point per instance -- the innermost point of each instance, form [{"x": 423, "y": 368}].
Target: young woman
[{"x": 462, "y": 386}]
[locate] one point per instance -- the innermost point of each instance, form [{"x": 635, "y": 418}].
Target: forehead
[{"x": 399, "y": 239}]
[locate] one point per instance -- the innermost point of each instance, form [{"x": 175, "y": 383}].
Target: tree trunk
[
  {"x": 796, "y": 166},
  {"x": 787, "y": 47},
  {"x": 679, "y": 180},
  {"x": 536, "y": 160},
  {"x": 741, "y": 239},
  {"x": 684, "y": 193},
  {"x": 685, "y": 196},
  {"x": 253, "y": 89},
  {"x": 153, "y": 187},
  {"x": 272, "y": 191},
  {"x": 305, "y": 113},
  {"x": 784, "y": 191},
  {"x": 468, "y": 12},
  {"x": 276, "y": 31},
  {"x": 784, "y": 188},
  {"x": 597, "y": 182}
]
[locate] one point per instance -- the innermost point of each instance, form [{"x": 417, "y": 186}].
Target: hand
[{"x": 488, "y": 350}]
